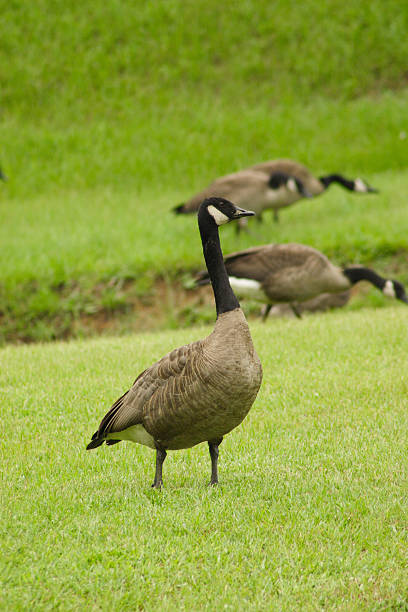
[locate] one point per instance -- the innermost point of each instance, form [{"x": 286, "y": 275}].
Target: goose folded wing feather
[{"x": 175, "y": 376}]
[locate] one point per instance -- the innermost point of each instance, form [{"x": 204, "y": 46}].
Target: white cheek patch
[
  {"x": 360, "y": 186},
  {"x": 291, "y": 185},
  {"x": 389, "y": 290},
  {"x": 218, "y": 216}
]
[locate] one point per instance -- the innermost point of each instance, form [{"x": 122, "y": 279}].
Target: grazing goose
[
  {"x": 201, "y": 391},
  {"x": 312, "y": 185},
  {"x": 293, "y": 273},
  {"x": 250, "y": 188},
  {"x": 283, "y": 183}
]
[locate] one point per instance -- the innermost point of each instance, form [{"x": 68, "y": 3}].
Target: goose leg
[
  {"x": 266, "y": 312},
  {"x": 158, "y": 479},
  {"x": 213, "y": 447},
  {"x": 296, "y": 311},
  {"x": 276, "y": 216}
]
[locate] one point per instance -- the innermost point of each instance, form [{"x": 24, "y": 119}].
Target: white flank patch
[
  {"x": 219, "y": 217},
  {"x": 136, "y": 433},
  {"x": 291, "y": 185},
  {"x": 360, "y": 186},
  {"x": 247, "y": 288},
  {"x": 389, "y": 290}
]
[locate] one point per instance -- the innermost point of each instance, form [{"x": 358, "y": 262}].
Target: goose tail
[
  {"x": 180, "y": 209},
  {"x": 95, "y": 442}
]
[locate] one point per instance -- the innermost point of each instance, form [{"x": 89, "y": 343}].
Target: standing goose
[
  {"x": 201, "y": 391},
  {"x": 251, "y": 188},
  {"x": 293, "y": 273},
  {"x": 312, "y": 185}
]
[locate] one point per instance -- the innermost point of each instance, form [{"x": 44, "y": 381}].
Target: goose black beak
[
  {"x": 3, "y": 177},
  {"x": 241, "y": 212},
  {"x": 372, "y": 189}
]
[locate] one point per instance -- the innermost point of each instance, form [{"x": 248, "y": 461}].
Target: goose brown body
[
  {"x": 245, "y": 188},
  {"x": 198, "y": 392},
  {"x": 287, "y": 272}
]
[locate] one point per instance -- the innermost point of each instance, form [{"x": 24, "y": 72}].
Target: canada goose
[
  {"x": 250, "y": 188},
  {"x": 292, "y": 273},
  {"x": 201, "y": 391},
  {"x": 314, "y": 186},
  {"x": 285, "y": 182}
]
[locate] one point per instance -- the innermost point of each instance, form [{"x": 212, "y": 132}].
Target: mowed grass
[{"x": 310, "y": 512}]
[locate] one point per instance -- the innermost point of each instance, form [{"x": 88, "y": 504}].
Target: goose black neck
[
  {"x": 358, "y": 274},
  {"x": 225, "y": 298},
  {"x": 337, "y": 178}
]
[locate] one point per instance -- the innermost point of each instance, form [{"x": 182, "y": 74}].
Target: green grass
[
  {"x": 112, "y": 113},
  {"x": 310, "y": 513},
  {"x": 78, "y": 62},
  {"x": 76, "y": 260}
]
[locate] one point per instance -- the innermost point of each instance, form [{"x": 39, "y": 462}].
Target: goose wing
[
  {"x": 263, "y": 262},
  {"x": 155, "y": 392}
]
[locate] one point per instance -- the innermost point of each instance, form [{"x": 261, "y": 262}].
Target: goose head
[
  {"x": 395, "y": 289},
  {"x": 361, "y": 186},
  {"x": 221, "y": 211}
]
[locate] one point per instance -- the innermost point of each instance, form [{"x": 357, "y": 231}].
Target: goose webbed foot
[
  {"x": 158, "y": 478},
  {"x": 214, "y": 452}
]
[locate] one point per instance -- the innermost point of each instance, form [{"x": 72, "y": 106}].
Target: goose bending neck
[
  {"x": 357, "y": 274},
  {"x": 225, "y": 298},
  {"x": 336, "y": 178}
]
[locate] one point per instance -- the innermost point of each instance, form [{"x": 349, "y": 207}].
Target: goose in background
[
  {"x": 201, "y": 391},
  {"x": 271, "y": 185},
  {"x": 293, "y": 273},
  {"x": 250, "y": 188},
  {"x": 312, "y": 185}
]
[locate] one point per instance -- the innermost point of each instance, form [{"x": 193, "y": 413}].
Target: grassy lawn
[{"x": 310, "y": 512}]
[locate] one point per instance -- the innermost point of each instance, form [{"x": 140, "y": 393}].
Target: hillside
[{"x": 112, "y": 113}]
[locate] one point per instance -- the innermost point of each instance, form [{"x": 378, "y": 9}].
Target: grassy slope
[
  {"x": 113, "y": 112},
  {"x": 310, "y": 513}
]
